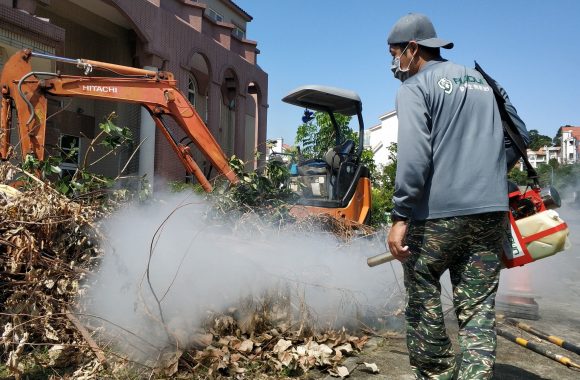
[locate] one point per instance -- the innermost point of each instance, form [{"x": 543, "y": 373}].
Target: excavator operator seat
[
  {"x": 313, "y": 175},
  {"x": 342, "y": 168},
  {"x": 328, "y": 178},
  {"x": 313, "y": 166},
  {"x": 339, "y": 154}
]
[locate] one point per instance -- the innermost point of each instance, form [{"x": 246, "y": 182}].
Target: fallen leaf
[
  {"x": 301, "y": 350},
  {"x": 50, "y": 332},
  {"x": 281, "y": 346},
  {"x": 286, "y": 358},
  {"x": 341, "y": 372},
  {"x": 246, "y": 346},
  {"x": 344, "y": 348},
  {"x": 202, "y": 340},
  {"x": 372, "y": 367}
]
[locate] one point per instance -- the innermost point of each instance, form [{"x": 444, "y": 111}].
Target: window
[
  {"x": 215, "y": 15},
  {"x": 69, "y": 153},
  {"x": 192, "y": 90},
  {"x": 3, "y": 57},
  {"x": 238, "y": 32}
]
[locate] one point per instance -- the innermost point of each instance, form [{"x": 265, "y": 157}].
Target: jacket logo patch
[{"x": 446, "y": 85}]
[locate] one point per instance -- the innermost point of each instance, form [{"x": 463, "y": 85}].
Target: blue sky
[{"x": 531, "y": 47}]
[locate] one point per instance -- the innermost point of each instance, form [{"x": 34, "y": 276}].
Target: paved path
[{"x": 556, "y": 286}]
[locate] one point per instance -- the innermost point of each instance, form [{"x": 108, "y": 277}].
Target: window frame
[
  {"x": 69, "y": 166},
  {"x": 239, "y": 32},
  {"x": 214, "y": 15},
  {"x": 195, "y": 91}
]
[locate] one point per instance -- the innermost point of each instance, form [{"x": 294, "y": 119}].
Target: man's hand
[{"x": 395, "y": 241}]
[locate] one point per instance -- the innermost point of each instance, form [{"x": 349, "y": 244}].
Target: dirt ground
[{"x": 556, "y": 289}]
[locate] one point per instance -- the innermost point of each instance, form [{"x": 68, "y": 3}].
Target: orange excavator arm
[{"x": 156, "y": 91}]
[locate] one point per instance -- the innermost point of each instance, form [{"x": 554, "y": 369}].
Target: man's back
[{"x": 451, "y": 153}]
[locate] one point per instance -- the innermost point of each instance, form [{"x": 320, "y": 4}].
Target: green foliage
[
  {"x": 82, "y": 181},
  {"x": 263, "y": 193},
  {"x": 318, "y": 135},
  {"x": 114, "y": 136},
  {"x": 46, "y": 167},
  {"x": 545, "y": 174},
  {"x": 383, "y": 181},
  {"x": 179, "y": 186},
  {"x": 381, "y": 206},
  {"x": 538, "y": 141},
  {"x": 368, "y": 160},
  {"x": 381, "y": 197},
  {"x": 565, "y": 178},
  {"x": 557, "y": 140},
  {"x": 518, "y": 176}
]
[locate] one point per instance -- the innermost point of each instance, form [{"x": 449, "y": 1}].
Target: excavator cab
[{"x": 336, "y": 184}]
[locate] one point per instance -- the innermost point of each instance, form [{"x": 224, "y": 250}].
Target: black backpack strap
[{"x": 508, "y": 125}]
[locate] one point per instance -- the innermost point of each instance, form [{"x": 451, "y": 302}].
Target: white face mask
[{"x": 398, "y": 72}]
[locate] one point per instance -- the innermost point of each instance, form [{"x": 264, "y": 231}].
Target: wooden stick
[{"x": 87, "y": 336}]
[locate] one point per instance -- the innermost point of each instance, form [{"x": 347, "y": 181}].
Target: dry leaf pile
[
  {"x": 274, "y": 351},
  {"x": 264, "y": 338},
  {"x": 48, "y": 245}
]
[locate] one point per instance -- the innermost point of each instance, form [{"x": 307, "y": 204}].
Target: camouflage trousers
[{"x": 470, "y": 247}]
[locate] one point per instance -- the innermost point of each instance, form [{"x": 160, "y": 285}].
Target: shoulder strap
[{"x": 508, "y": 124}]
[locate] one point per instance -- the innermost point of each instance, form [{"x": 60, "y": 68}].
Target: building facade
[
  {"x": 380, "y": 137},
  {"x": 543, "y": 156},
  {"x": 567, "y": 153},
  {"x": 203, "y": 43},
  {"x": 570, "y": 144}
]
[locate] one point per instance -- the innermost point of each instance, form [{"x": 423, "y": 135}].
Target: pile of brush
[{"x": 49, "y": 244}]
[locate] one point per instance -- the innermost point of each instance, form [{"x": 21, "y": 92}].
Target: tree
[
  {"x": 537, "y": 140},
  {"x": 383, "y": 180},
  {"x": 520, "y": 177},
  {"x": 566, "y": 179},
  {"x": 317, "y": 135},
  {"x": 545, "y": 174},
  {"x": 557, "y": 140}
]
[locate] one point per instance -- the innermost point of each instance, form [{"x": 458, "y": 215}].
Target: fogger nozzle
[{"x": 380, "y": 259}]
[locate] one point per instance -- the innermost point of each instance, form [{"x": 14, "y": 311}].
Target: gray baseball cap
[{"x": 416, "y": 27}]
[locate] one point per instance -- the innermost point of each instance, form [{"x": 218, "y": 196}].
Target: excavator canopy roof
[{"x": 324, "y": 98}]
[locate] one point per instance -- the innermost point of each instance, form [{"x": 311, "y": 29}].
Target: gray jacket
[{"x": 451, "y": 159}]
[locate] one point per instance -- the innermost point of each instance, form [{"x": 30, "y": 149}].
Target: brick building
[{"x": 203, "y": 43}]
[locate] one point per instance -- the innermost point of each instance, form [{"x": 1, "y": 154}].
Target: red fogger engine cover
[{"x": 536, "y": 229}]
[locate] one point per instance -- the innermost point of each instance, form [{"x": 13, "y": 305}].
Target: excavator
[{"x": 338, "y": 185}]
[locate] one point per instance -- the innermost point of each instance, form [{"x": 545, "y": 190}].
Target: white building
[
  {"x": 278, "y": 149},
  {"x": 567, "y": 153},
  {"x": 543, "y": 156},
  {"x": 381, "y": 136},
  {"x": 570, "y": 144}
]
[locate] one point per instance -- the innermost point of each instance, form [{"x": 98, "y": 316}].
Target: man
[{"x": 450, "y": 201}]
